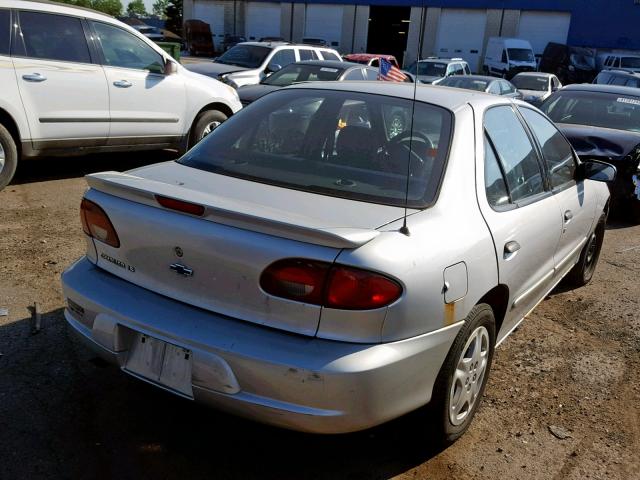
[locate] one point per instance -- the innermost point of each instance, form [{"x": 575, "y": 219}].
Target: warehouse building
[{"x": 449, "y": 28}]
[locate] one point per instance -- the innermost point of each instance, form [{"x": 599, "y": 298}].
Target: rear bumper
[{"x": 292, "y": 381}]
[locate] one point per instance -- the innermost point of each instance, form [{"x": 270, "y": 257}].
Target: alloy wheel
[
  {"x": 468, "y": 377},
  {"x": 210, "y": 127},
  {"x": 2, "y": 158}
]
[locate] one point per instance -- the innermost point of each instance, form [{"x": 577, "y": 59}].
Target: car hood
[
  {"x": 249, "y": 93},
  {"x": 213, "y": 69},
  {"x": 591, "y": 141}
]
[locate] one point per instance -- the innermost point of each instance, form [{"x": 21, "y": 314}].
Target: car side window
[
  {"x": 618, "y": 80},
  {"x": 494, "y": 185},
  {"x": 515, "y": 152},
  {"x": 329, "y": 55},
  {"x": 283, "y": 57},
  {"x": 355, "y": 74},
  {"x": 122, "y": 49},
  {"x": 467, "y": 71},
  {"x": 53, "y": 37},
  {"x": 505, "y": 88},
  {"x": 5, "y": 32},
  {"x": 633, "y": 82},
  {"x": 375, "y": 62},
  {"x": 371, "y": 74},
  {"x": 494, "y": 88},
  {"x": 556, "y": 150},
  {"x": 306, "y": 55},
  {"x": 457, "y": 69},
  {"x": 504, "y": 56}
]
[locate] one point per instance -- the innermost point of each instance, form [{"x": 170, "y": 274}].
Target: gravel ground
[{"x": 563, "y": 400}]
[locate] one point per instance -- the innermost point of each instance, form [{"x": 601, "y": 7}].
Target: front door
[
  {"x": 522, "y": 215},
  {"x": 145, "y": 104},
  {"x": 64, "y": 94},
  {"x": 576, "y": 200}
]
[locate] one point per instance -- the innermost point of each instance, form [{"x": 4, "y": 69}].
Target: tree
[
  {"x": 110, "y": 7},
  {"x": 136, "y": 8},
  {"x": 159, "y": 7},
  {"x": 174, "y": 16}
]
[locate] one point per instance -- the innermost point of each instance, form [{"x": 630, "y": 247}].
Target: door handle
[
  {"x": 511, "y": 247},
  {"x": 122, "y": 83},
  {"x": 34, "y": 77},
  {"x": 568, "y": 215}
]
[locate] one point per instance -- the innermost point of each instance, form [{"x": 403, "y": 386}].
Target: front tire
[
  {"x": 8, "y": 157},
  {"x": 460, "y": 385},
  {"x": 583, "y": 271},
  {"x": 205, "y": 123}
]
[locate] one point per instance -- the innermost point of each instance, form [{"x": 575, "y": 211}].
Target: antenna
[{"x": 404, "y": 229}]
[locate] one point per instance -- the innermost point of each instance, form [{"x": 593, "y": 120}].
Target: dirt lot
[{"x": 572, "y": 368}]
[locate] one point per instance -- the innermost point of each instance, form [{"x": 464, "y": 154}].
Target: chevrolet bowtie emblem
[{"x": 181, "y": 269}]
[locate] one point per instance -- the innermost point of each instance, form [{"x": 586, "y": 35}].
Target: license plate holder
[{"x": 160, "y": 362}]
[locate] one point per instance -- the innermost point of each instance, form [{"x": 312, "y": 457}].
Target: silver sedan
[{"x": 335, "y": 256}]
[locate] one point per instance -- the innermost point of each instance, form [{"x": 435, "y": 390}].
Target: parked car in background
[
  {"x": 621, "y": 78},
  {"x": 250, "y": 62},
  {"x": 152, "y": 33},
  {"x": 506, "y": 57},
  {"x": 627, "y": 62},
  {"x": 536, "y": 87},
  {"x": 481, "y": 83},
  {"x": 307, "y": 71},
  {"x": 569, "y": 64},
  {"x": 433, "y": 70},
  {"x": 80, "y": 81},
  {"x": 231, "y": 41},
  {"x": 278, "y": 274},
  {"x": 198, "y": 38},
  {"x": 371, "y": 59},
  {"x": 603, "y": 122}
]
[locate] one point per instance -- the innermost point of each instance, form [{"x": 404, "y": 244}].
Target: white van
[{"x": 506, "y": 57}]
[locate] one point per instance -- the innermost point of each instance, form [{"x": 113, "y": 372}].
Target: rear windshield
[
  {"x": 343, "y": 144},
  {"x": 630, "y": 62},
  {"x": 467, "y": 83},
  {"x": 429, "y": 69},
  {"x": 521, "y": 54},
  {"x": 531, "y": 82},
  {"x": 608, "y": 110},
  {"x": 250, "y": 56},
  {"x": 295, "y": 73}
]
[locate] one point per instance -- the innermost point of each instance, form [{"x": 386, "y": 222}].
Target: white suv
[
  {"x": 76, "y": 81},
  {"x": 249, "y": 62}
]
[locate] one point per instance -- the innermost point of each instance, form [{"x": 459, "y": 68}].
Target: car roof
[
  {"x": 56, "y": 7},
  {"x": 485, "y": 78},
  {"x": 535, "y": 74},
  {"x": 450, "y": 98},
  {"x": 622, "y": 73},
  {"x": 598, "y": 88},
  {"x": 330, "y": 64},
  {"x": 282, "y": 44},
  {"x": 443, "y": 60}
]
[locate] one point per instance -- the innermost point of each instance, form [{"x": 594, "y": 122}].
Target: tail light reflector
[
  {"x": 328, "y": 285},
  {"x": 96, "y": 223},
  {"x": 180, "y": 205}
]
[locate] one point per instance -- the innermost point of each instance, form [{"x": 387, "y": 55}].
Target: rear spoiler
[{"x": 233, "y": 213}]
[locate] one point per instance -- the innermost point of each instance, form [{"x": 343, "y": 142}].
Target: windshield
[
  {"x": 607, "y": 110},
  {"x": 467, "y": 83},
  {"x": 429, "y": 69},
  {"x": 531, "y": 82},
  {"x": 521, "y": 55},
  {"x": 344, "y": 144},
  {"x": 295, "y": 73},
  {"x": 250, "y": 56},
  {"x": 630, "y": 62}
]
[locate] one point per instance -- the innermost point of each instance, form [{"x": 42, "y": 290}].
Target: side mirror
[
  {"x": 170, "y": 67},
  {"x": 273, "y": 67},
  {"x": 590, "y": 169}
]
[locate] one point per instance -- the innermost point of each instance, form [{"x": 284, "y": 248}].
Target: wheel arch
[
  {"x": 10, "y": 124},
  {"x": 498, "y": 299},
  {"x": 221, "y": 107}
]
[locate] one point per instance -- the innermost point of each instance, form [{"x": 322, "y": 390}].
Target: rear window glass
[
  {"x": 344, "y": 144},
  {"x": 295, "y": 73},
  {"x": 5, "y": 31},
  {"x": 467, "y": 83}
]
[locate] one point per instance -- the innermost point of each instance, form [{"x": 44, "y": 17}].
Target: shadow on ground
[
  {"x": 63, "y": 414},
  {"x": 59, "y": 168}
]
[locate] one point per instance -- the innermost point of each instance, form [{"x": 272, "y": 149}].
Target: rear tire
[
  {"x": 583, "y": 271},
  {"x": 458, "y": 390},
  {"x": 8, "y": 157},
  {"x": 204, "y": 124}
]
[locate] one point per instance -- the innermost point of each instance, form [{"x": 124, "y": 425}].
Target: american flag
[{"x": 389, "y": 73}]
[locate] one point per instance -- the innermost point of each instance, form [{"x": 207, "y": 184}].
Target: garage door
[
  {"x": 262, "y": 20},
  {"x": 213, "y": 14},
  {"x": 325, "y": 22},
  {"x": 541, "y": 28},
  {"x": 461, "y": 34}
]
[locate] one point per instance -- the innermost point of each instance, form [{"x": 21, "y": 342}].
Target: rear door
[
  {"x": 63, "y": 92},
  {"x": 144, "y": 102},
  {"x": 576, "y": 200},
  {"x": 521, "y": 213}
]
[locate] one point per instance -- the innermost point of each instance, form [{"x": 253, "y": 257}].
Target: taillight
[
  {"x": 96, "y": 224},
  {"x": 180, "y": 205},
  {"x": 331, "y": 286}
]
